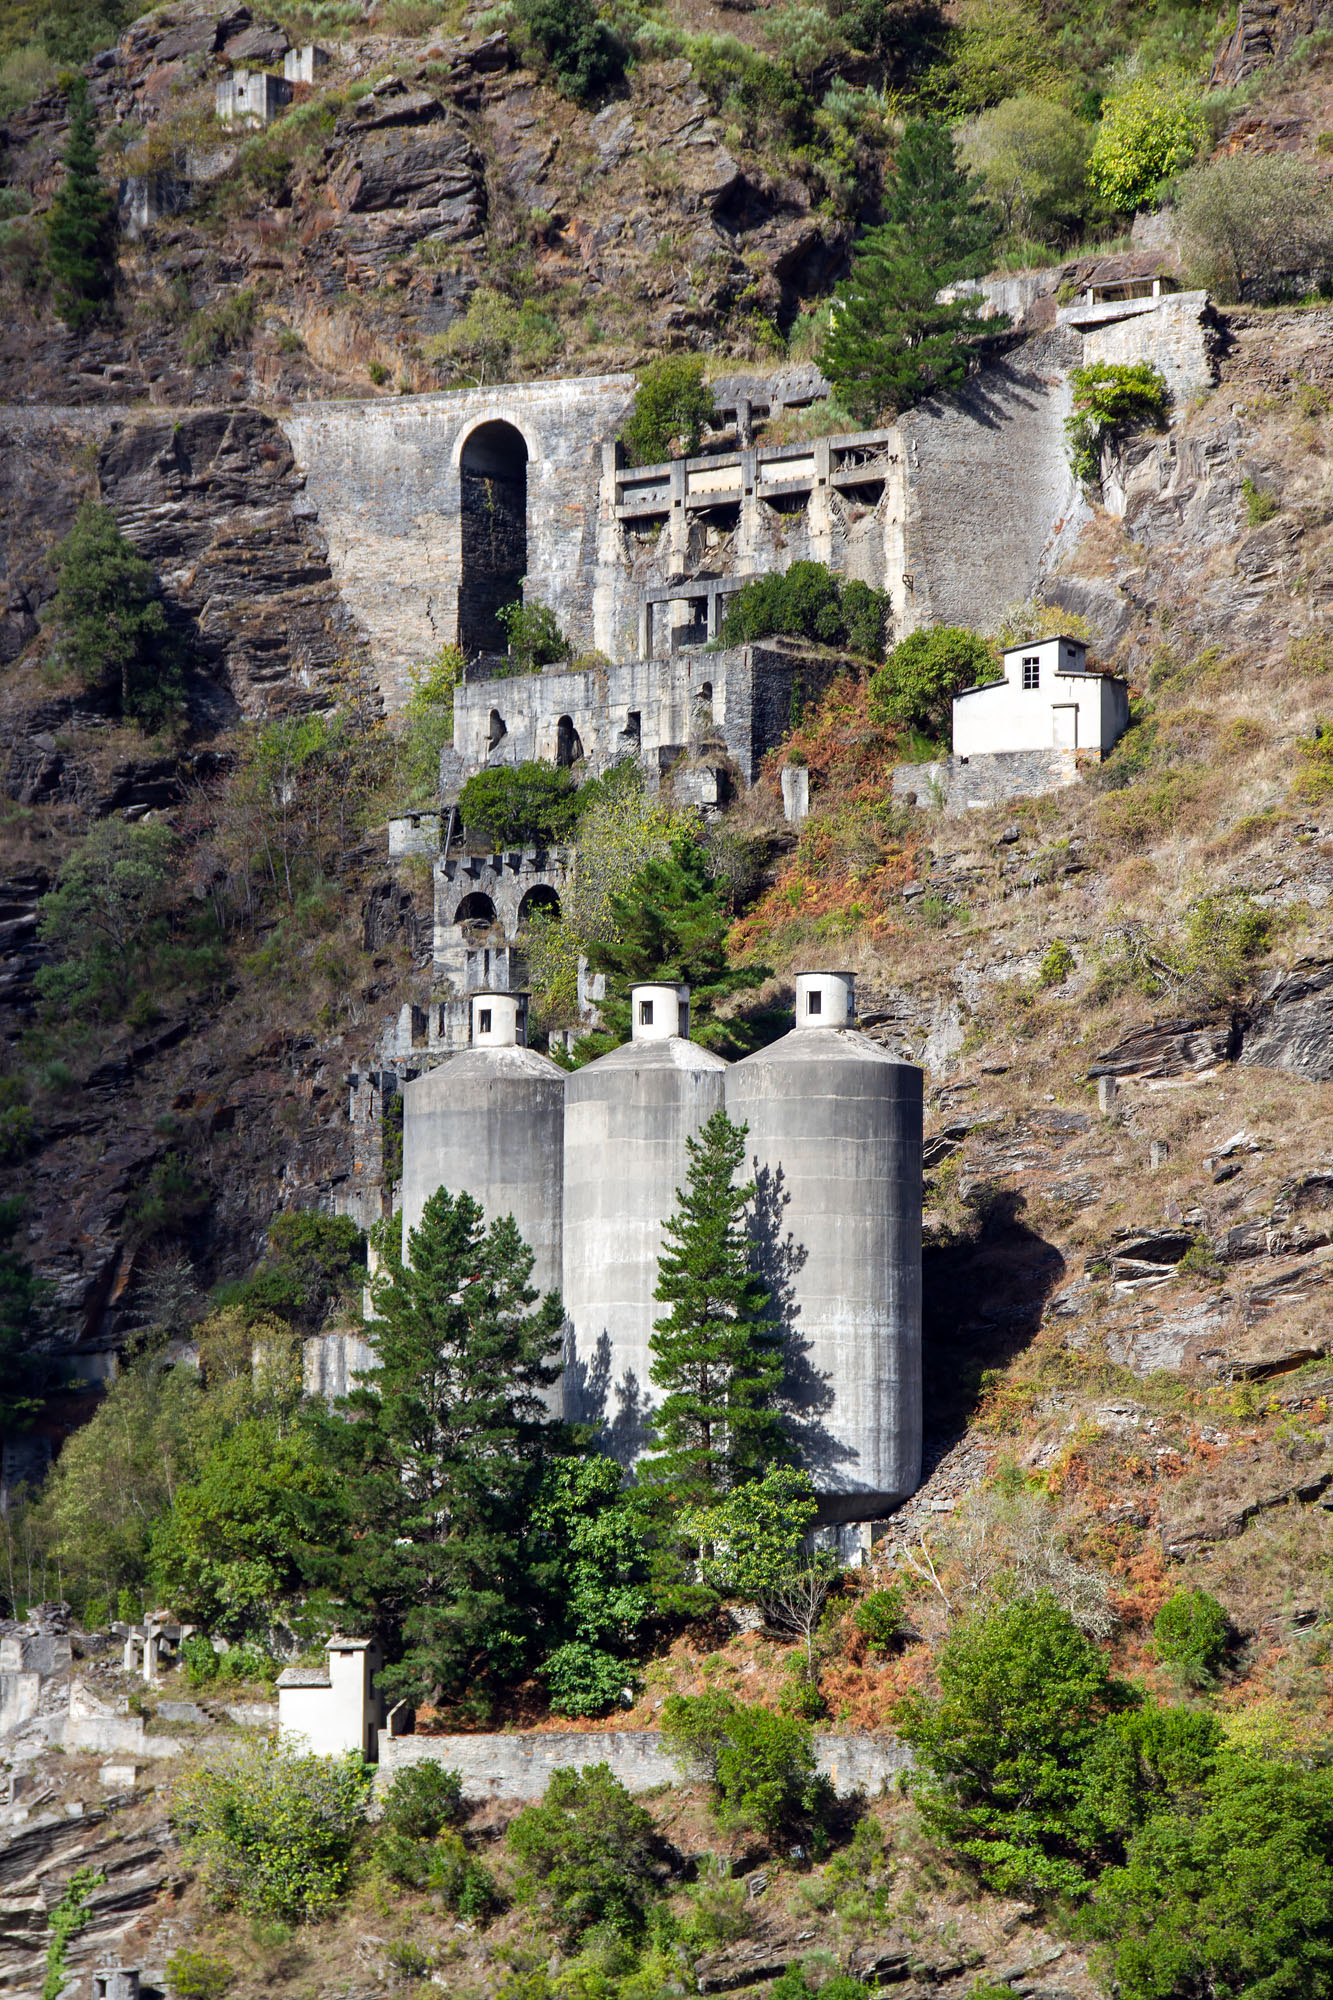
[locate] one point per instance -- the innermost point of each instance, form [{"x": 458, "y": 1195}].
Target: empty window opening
[
  {"x": 568, "y": 744},
  {"x": 498, "y": 731},
  {"x": 645, "y": 1013},
  {"x": 475, "y": 909},
  {"x": 1031, "y": 672},
  {"x": 493, "y": 479},
  {"x": 483, "y": 1020},
  {"x": 541, "y": 901},
  {"x": 814, "y": 1003},
  {"x": 633, "y": 730}
]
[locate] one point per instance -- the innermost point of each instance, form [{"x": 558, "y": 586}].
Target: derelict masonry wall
[
  {"x": 519, "y": 1764},
  {"x": 992, "y": 500},
  {"x": 384, "y": 478}
]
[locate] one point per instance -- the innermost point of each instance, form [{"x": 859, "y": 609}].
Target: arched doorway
[
  {"x": 476, "y": 909},
  {"x": 541, "y": 901},
  {"x": 568, "y": 742},
  {"x": 494, "y": 510}
]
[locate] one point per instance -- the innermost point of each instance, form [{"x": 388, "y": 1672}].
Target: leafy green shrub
[
  {"x": 428, "y": 725},
  {"x": 584, "y": 1679},
  {"x": 584, "y": 52},
  {"x": 590, "y": 1846},
  {"x": 17, "y": 1124},
  {"x": 878, "y": 1617},
  {"x": 794, "y": 1985},
  {"x": 172, "y": 1197},
  {"x": 1260, "y": 505},
  {"x": 915, "y": 687},
  {"x": 1228, "y": 1891},
  {"x": 273, "y": 1831},
  {"x": 204, "y": 1667},
  {"x": 1001, "y": 1753},
  {"x": 1111, "y": 399},
  {"x": 762, "y": 1764},
  {"x": 1254, "y": 222},
  {"x": 422, "y": 1799},
  {"x": 673, "y": 407},
  {"x": 1313, "y": 781},
  {"x": 535, "y": 639},
  {"x": 1152, "y": 128},
  {"x": 212, "y": 334},
  {"x": 112, "y": 628},
  {"x": 442, "y": 1865},
  {"x": 1190, "y": 1635},
  {"x": 808, "y": 601},
  {"x": 193, "y": 1975},
  {"x": 1030, "y": 159},
  {"x": 1056, "y": 964},
  {"x": 518, "y": 805},
  {"x": 750, "y": 89},
  {"x": 493, "y": 333},
  {"x": 81, "y": 224},
  {"x": 66, "y": 1919}
]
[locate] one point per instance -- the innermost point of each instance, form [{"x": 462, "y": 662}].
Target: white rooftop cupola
[
  {"x": 499, "y": 1020},
  {"x": 658, "y": 1012},
  {"x": 825, "y": 999}
]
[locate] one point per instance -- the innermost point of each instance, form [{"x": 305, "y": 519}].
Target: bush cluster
[
  {"x": 809, "y": 601},
  {"x": 1112, "y": 399}
]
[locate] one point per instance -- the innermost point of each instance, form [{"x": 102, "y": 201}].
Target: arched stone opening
[
  {"x": 493, "y": 473},
  {"x": 539, "y": 901},
  {"x": 476, "y": 909},
  {"x": 568, "y": 742}
]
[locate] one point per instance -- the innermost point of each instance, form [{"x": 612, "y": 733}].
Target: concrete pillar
[
  {"x": 116, "y": 1982},
  {"x": 747, "y": 536},
  {"x": 130, "y": 1661},
  {"x": 1107, "y": 1090},
  {"x": 819, "y": 513},
  {"x": 1158, "y": 1155},
  {"x": 645, "y": 630},
  {"x": 678, "y": 526},
  {"x": 150, "y": 1646},
  {"x": 795, "y": 793}
]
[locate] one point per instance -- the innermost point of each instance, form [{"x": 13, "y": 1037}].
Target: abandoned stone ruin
[{"x": 589, "y": 1163}]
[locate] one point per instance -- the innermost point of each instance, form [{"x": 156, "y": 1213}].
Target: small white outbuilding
[
  {"x": 1049, "y": 699},
  {"x": 333, "y": 1709}
]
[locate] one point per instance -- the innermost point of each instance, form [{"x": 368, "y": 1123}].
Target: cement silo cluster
[{"x": 589, "y": 1164}]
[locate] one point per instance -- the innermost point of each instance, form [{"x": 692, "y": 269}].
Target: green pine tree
[
  {"x": 445, "y": 1454},
  {"x": 81, "y": 228},
  {"x": 890, "y": 343},
  {"x": 716, "y": 1355},
  {"x": 671, "y": 925},
  {"x": 113, "y": 624}
]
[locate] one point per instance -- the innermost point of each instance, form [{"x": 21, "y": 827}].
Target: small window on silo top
[
  {"x": 814, "y": 1003},
  {"x": 483, "y": 1020},
  {"x": 1032, "y": 672},
  {"x": 645, "y": 1013}
]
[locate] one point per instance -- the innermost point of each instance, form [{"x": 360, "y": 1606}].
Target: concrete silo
[
  {"x": 835, "y": 1139},
  {"x": 627, "y": 1117},
  {"x": 490, "y": 1122}
]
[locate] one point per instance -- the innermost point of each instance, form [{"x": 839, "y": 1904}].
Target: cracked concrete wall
[{"x": 384, "y": 481}]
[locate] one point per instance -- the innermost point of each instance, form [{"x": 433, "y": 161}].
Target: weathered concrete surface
[
  {"x": 385, "y": 481},
  {"x": 992, "y": 502},
  {"x": 627, "y": 1117},
  {"x": 519, "y": 1764},
  {"x": 835, "y": 1145}
]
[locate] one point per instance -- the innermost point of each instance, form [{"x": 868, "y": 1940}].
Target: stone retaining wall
[{"x": 519, "y": 1764}]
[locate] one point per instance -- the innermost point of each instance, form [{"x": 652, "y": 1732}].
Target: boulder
[
  {"x": 1169, "y": 1048},
  {"x": 1291, "y": 1026}
]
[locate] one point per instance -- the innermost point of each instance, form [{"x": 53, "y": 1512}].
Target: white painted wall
[
  {"x": 339, "y": 1716},
  {"x": 1069, "y": 709}
]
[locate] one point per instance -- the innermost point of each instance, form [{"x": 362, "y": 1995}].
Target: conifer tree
[
  {"x": 445, "y": 1451},
  {"x": 715, "y": 1352},
  {"x": 890, "y": 342},
  {"x": 81, "y": 228}
]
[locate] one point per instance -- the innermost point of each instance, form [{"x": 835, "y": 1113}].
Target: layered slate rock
[
  {"x": 409, "y": 163},
  {"x": 1292, "y": 1025}
]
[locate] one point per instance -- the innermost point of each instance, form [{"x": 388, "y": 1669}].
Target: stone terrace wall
[
  {"x": 992, "y": 500},
  {"x": 384, "y": 479},
  {"x": 519, "y": 1765}
]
